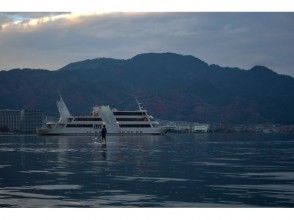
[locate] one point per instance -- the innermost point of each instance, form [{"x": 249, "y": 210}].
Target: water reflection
[{"x": 201, "y": 170}]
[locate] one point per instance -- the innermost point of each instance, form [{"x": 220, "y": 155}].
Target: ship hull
[{"x": 91, "y": 132}]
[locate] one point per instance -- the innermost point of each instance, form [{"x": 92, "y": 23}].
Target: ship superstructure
[{"x": 117, "y": 122}]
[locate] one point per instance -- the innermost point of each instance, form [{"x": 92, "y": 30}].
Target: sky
[{"x": 52, "y": 40}]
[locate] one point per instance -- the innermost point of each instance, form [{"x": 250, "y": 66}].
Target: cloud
[
  {"x": 28, "y": 21},
  {"x": 228, "y": 39}
]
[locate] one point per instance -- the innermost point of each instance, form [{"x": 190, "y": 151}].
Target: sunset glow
[{"x": 27, "y": 23}]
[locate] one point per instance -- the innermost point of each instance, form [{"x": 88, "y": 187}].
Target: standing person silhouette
[{"x": 103, "y": 134}]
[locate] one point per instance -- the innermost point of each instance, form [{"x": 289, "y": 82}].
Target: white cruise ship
[{"x": 116, "y": 122}]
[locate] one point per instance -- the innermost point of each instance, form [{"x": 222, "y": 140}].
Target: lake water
[{"x": 176, "y": 170}]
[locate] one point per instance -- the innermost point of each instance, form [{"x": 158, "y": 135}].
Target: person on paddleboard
[{"x": 103, "y": 134}]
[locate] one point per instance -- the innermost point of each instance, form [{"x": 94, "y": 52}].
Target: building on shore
[
  {"x": 30, "y": 120},
  {"x": 201, "y": 128},
  {"x": 185, "y": 127},
  {"x": 9, "y": 120}
]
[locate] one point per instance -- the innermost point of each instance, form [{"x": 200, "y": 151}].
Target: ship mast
[{"x": 139, "y": 104}]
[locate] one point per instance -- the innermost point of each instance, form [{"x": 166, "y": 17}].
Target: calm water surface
[{"x": 188, "y": 170}]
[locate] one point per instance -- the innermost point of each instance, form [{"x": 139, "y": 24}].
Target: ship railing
[{"x": 50, "y": 119}]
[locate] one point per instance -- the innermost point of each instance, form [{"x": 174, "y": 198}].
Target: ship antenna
[
  {"x": 139, "y": 104},
  {"x": 59, "y": 94}
]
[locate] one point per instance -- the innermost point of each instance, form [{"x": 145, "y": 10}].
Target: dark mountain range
[{"x": 171, "y": 86}]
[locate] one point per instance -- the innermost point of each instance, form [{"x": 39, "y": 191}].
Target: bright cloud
[{"x": 26, "y": 22}]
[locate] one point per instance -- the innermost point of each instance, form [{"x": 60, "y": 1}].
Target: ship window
[
  {"x": 88, "y": 119},
  {"x": 135, "y": 125},
  {"x": 97, "y": 126},
  {"x": 129, "y": 113},
  {"x": 131, "y": 119},
  {"x": 79, "y": 125}
]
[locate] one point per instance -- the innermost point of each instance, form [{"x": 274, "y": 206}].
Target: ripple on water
[
  {"x": 154, "y": 179},
  {"x": 205, "y": 163},
  {"x": 274, "y": 188},
  {"x": 18, "y": 192},
  {"x": 56, "y": 187},
  {"x": 289, "y": 176},
  {"x": 4, "y": 165},
  {"x": 61, "y": 173}
]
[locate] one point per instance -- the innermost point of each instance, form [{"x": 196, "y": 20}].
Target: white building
[
  {"x": 30, "y": 120},
  {"x": 10, "y": 119},
  {"x": 200, "y": 128}
]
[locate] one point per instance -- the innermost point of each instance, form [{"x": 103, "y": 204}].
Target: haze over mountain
[{"x": 171, "y": 86}]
